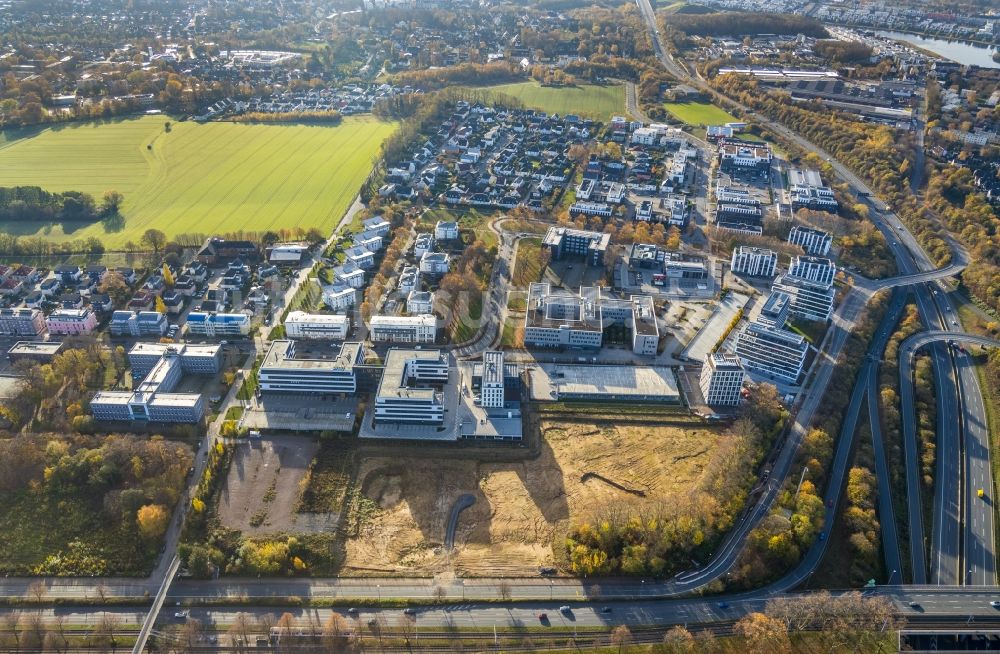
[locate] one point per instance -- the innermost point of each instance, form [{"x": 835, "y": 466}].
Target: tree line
[{"x": 32, "y": 203}]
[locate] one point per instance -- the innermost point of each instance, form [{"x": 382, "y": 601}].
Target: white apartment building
[
  {"x": 423, "y": 244},
  {"x": 446, "y": 230},
  {"x": 435, "y": 263},
  {"x": 409, "y": 280},
  {"x": 22, "y": 322},
  {"x": 773, "y": 352},
  {"x": 813, "y": 241},
  {"x": 418, "y": 302},
  {"x": 300, "y": 324},
  {"x": 722, "y": 380},
  {"x": 339, "y": 296},
  {"x": 403, "y": 329},
  {"x": 754, "y": 262}
]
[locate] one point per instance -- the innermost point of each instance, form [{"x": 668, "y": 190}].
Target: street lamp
[
  {"x": 378, "y": 588},
  {"x": 551, "y": 587}
]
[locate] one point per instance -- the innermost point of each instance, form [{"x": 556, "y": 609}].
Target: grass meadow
[
  {"x": 700, "y": 113},
  {"x": 195, "y": 178},
  {"x": 597, "y": 102}
]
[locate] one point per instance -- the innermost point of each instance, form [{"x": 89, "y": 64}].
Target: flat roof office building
[
  {"x": 200, "y": 323},
  {"x": 564, "y": 241},
  {"x": 810, "y": 300},
  {"x": 282, "y": 372},
  {"x": 562, "y": 319},
  {"x": 722, "y": 380},
  {"x": 152, "y": 399},
  {"x": 754, "y": 262},
  {"x": 773, "y": 352},
  {"x": 300, "y": 324},
  {"x": 34, "y": 351},
  {"x": 410, "y": 390},
  {"x": 775, "y": 311}
]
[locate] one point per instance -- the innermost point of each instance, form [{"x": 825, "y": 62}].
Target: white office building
[
  {"x": 774, "y": 312},
  {"x": 282, "y": 372},
  {"x": 300, "y": 324},
  {"x": 492, "y": 385},
  {"x": 813, "y": 269},
  {"x": 810, "y": 300},
  {"x": 813, "y": 241},
  {"x": 410, "y": 390},
  {"x": 159, "y": 367},
  {"x": 403, "y": 329},
  {"x": 754, "y": 262},
  {"x": 722, "y": 380},
  {"x": 571, "y": 320},
  {"x": 776, "y": 353}
]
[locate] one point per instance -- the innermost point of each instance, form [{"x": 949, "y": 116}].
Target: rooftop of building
[
  {"x": 49, "y": 348},
  {"x": 394, "y": 380},
  {"x": 281, "y": 354},
  {"x": 315, "y": 318}
]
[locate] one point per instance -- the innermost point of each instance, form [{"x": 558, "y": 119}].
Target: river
[{"x": 958, "y": 51}]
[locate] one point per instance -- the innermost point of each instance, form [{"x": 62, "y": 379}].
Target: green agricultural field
[
  {"x": 597, "y": 102},
  {"x": 196, "y": 178},
  {"x": 700, "y": 113}
]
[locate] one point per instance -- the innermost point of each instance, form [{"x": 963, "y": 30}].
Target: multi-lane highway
[{"x": 953, "y": 542}]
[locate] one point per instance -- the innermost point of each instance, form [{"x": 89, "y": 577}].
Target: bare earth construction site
[{"x": 392, "y": 517}]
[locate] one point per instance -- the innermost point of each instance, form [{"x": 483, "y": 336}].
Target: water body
[{"x": 967, "y": 54}]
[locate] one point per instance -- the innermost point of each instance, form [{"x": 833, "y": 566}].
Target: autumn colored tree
[{"x": 152, "y": 520}]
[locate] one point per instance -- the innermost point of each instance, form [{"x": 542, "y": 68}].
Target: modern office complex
[
  {"x": 774, "y": 352},
  {"x": 138, "y": 323},
  {"x": 775, "y": 311},
  {"x": 735, "y": 154},
  {"x": 282, "y": 372},
  {"x": 22, "y": 322},
  {"x": 813, "y": 241},
  {"x": 562, "y": 241},
  {"x": 813, "y": 269},
  {"x": 403, "y": 329},
  {"x": 754, "y": 262},
  {"x": 562, "y": 319},
  {"x": 410, "y": 388},
  {"x": 810, "y": 300},
  {"x": 160, "y": 367},
  {"x": 300, "y": 324},
  {"x": 200, "y": 323},
  {"x": 492, "y": 385},
  {"x": 812, "y": 197},
  {"x": 671, "y": 264},
  {"x": 722, "y": 380}
]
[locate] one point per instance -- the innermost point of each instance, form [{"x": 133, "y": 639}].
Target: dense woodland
[{"x": 85, "y": 504}]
